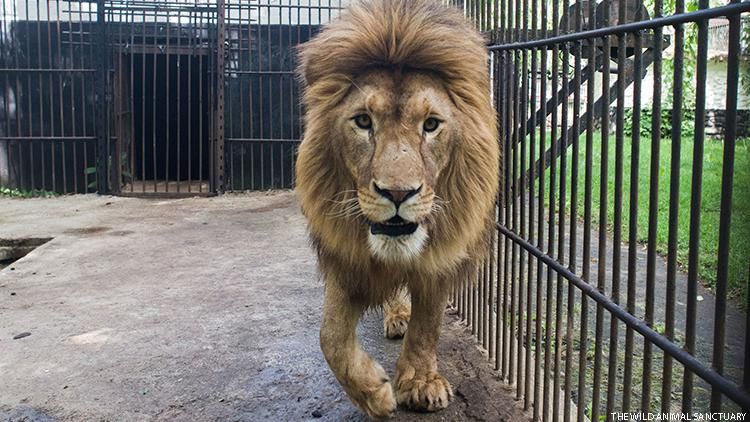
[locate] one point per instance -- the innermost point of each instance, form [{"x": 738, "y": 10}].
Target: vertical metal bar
[
  {"x": 653, "y": 208},
  {"x": 189, "y": 112},
  {"x": 725, "y": 218},
  {"x": 178, "y": 106},
  {"x": 633, "y": 215},
  {"x": 695, "y": 204},
  {"x": 542, "y": 332},
  {"x": 143, "y": 107},
  {"x": 567, "y": 401},
  {"x": 587, "y": 217},
  {"x": 534, "y": 394},
  {"x": 30, "y": 111},
  {"x": 71, "y": 105},
  {"x": 129, "y": 18},
  {"x": 119, "y": 100},
  {"x": 523, "y": 366},
  {"x": 168, "y": 100},
  {"x": 231, "y": 113},
  {"x": 502, "y": 204},
  {"x": 40, "y": 89},
  {"x": 500, "y": 103},
  {"x": 219, "y": 128},
  {"x": 154, "y": 88},
  {"x": 603, "y": 192},
  {"x": 617, "y": 224},
  {"x": 561, "y": 229},
  {"x": 84, "y": 105},
  {"x": 508, "y": 249},
  {"x": 516, "y": 250},
  {"x": 19, "y": 102},
  {"x": 60, "y": 94},
  {"x": 269, "y": 83},
  {"x": 101, "y": 128},
  {"x": 201, "y": 137},
  {"x": 549, "y": 375},
  {"x": 491, "y": 293},
  {"x": 280, "y": 103},
  {"x": 5, "y": 49},
  {"x": 541, "y": 375},
  {"x": 51, "y": 101},
  {"x": 261, "y": 109},
  {"x": 9, "y": 22},
  {"x": 514, "y": 216},
  {"x": 674, "y": 205}
]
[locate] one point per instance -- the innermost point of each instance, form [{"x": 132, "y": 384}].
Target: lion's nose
[{"x": 397, "y": 196}]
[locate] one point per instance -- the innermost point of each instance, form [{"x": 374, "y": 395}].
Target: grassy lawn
[{"x": 739, "y": 249}]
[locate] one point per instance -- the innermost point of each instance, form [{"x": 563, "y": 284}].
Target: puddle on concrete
[{"x": 12, "y": 250}]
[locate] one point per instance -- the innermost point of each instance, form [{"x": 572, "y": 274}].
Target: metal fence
[
  {"x": 583, "y": 315},
  {"x": 48, "y": 123},
  {"x": 141, "y": 97},
  {"x": 263, "y": 124},
  {"x": 585, "y": 306}
]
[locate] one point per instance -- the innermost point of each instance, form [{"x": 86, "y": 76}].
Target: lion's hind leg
[
  {"x": 396, "y": 314},
  {"x": 363, "y": 379}
]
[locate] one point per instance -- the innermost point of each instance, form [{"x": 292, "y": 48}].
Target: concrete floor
[{"x": 193, "y": 309}]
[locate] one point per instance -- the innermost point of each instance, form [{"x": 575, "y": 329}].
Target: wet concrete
[{"x": 193, "y": 309}]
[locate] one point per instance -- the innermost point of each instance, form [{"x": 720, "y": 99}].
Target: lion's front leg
[
  {"x": 363, "y": 379},
  {"x": 396, "y": 314},
  {"x": 419, "y": 386}
]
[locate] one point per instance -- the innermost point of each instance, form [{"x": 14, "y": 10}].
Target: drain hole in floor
[{"x": 12, "y": 250}]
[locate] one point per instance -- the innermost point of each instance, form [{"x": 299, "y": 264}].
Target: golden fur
[{"x": 395, "y": 59}]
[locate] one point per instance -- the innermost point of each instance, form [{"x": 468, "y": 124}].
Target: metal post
[
  {"x": 219, "y": 126},
  {"x": 102, "y": 186}
]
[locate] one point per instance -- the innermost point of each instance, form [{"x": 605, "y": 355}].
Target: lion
[{"x": 397, "y": 175}]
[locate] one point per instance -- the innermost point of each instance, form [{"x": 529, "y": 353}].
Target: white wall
[{"x": 293, "y": 12}]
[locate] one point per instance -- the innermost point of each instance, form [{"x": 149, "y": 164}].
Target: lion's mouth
[{"x": 396, "y": 226}]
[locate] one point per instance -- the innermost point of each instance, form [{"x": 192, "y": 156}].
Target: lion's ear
[{"x": 309, "y": 60}]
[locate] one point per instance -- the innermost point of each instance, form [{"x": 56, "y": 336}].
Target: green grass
[
  {"x": 19, "y": 193},
  {"x": 739, "y": 244}
]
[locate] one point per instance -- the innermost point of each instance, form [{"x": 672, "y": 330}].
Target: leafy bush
[{"x": 686, "y": 130}]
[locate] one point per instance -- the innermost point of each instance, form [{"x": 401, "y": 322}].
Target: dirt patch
[{"x": 86, "y": 230}]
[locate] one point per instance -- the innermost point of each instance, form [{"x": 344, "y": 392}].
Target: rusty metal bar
[{"x": 219, "y": 115}]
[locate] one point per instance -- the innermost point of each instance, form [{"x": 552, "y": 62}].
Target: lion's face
[
  {"x": 397, "y": 172},
  {"x": 396, "y": 132}
]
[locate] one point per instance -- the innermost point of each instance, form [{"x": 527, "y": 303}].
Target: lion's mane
[{"x": 401, "y": 34}]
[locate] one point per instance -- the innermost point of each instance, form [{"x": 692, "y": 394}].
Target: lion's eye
[
  {"x": 363, "y": 121},
  {"x": 431, "y": 124}
]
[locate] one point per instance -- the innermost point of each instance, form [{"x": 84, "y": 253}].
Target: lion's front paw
[
  {"x": 428, "y": 392},
  {"x": 373, "y": 393}
]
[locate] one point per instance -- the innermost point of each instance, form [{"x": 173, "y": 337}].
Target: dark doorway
[{"x": 164, "y": 123}]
